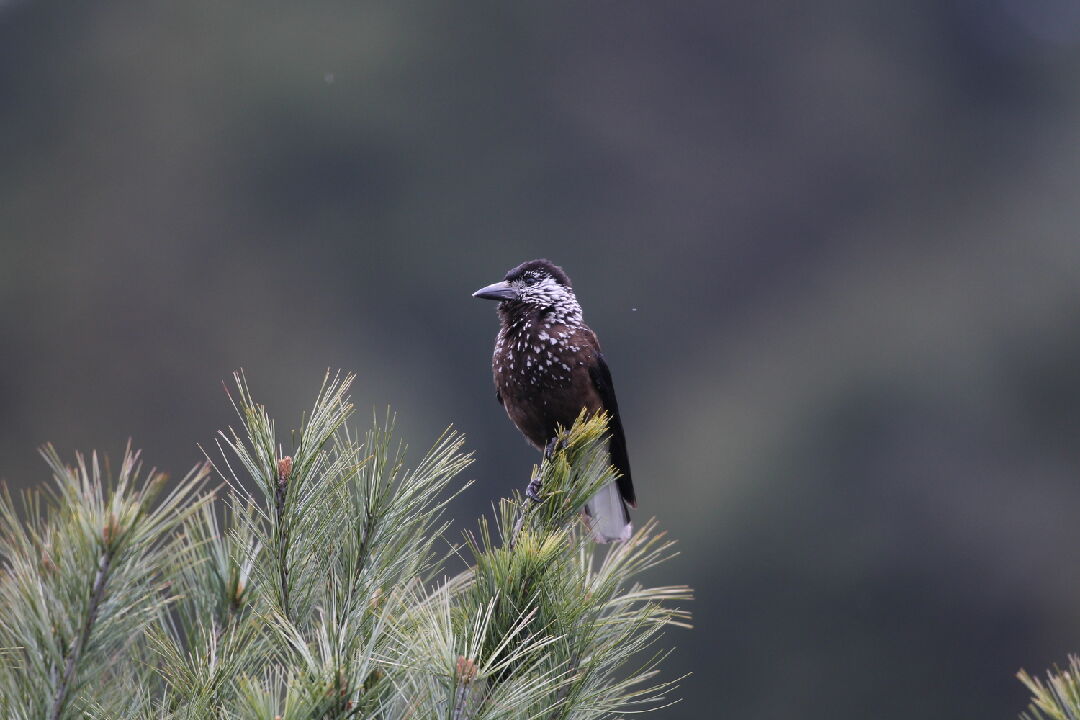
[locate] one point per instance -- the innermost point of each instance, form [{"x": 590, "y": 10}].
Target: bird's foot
[
  {"x": 551, "y": 447},
  {"x": 532, "y": 490}
]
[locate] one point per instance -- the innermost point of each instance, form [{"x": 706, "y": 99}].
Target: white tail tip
[{"x": 608, "y": 517}]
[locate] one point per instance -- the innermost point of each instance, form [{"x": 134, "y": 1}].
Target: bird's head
[{"x": 538, "y": 284}]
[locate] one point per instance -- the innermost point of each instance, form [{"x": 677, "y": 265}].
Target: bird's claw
[
  {"x": 551, "y": 447},
  {"x": 532, "y": 490}
]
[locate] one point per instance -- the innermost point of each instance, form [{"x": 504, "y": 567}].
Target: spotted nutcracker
[{"x": 548, "y": 367}]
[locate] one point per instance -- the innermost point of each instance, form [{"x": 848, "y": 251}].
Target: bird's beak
[{"x": 498, "y": 291}]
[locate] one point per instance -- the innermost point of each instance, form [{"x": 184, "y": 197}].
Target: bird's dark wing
[{"x": 601, "y": 378}]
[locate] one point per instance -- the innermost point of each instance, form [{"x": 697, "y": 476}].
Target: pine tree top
[{"x": 307, "y": 584}]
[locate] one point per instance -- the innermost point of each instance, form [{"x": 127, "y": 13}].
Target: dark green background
[{"x": 831, "y": 250}]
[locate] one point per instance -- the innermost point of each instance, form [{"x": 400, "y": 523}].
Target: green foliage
[
  {"x": 1059, "y": 697},
  {"x": 85, "y": 573},
  {"x": 308, "y": 586}
]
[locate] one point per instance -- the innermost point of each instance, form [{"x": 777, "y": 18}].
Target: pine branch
[
  {"x": 97, "y": 592},
  {"x": 309, "y": 587},
  {"x": 1059, "y": 697},
  {"x": 541, "y": 631},
  {"x": 83, "y": 575}
]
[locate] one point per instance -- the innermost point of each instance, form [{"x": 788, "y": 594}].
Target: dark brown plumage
[{"x": 547, "y": 367}]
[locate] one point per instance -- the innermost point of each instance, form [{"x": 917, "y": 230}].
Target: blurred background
[{"x": 830, "y": 249}]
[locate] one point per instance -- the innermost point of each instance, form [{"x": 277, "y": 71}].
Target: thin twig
[
  {"x": 280, "y": 495},
  {"x": 97, "y": 593},
  {"x": 462, "y": 694}
]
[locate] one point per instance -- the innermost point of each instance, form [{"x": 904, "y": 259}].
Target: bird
[{"x": 547, "y": 368}]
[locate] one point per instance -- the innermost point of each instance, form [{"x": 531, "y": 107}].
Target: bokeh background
[{"x": 831, "y": 250}]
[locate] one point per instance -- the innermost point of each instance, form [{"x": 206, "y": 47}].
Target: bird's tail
[{"x": 609, "y": 518}]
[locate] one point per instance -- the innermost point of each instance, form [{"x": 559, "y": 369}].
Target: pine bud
[
  {"x": 284, "y": 469},
  {"x": 108, "y": 533},
  {"x": 46, "y": 559},
  {"x": 465, "y": 670}
]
